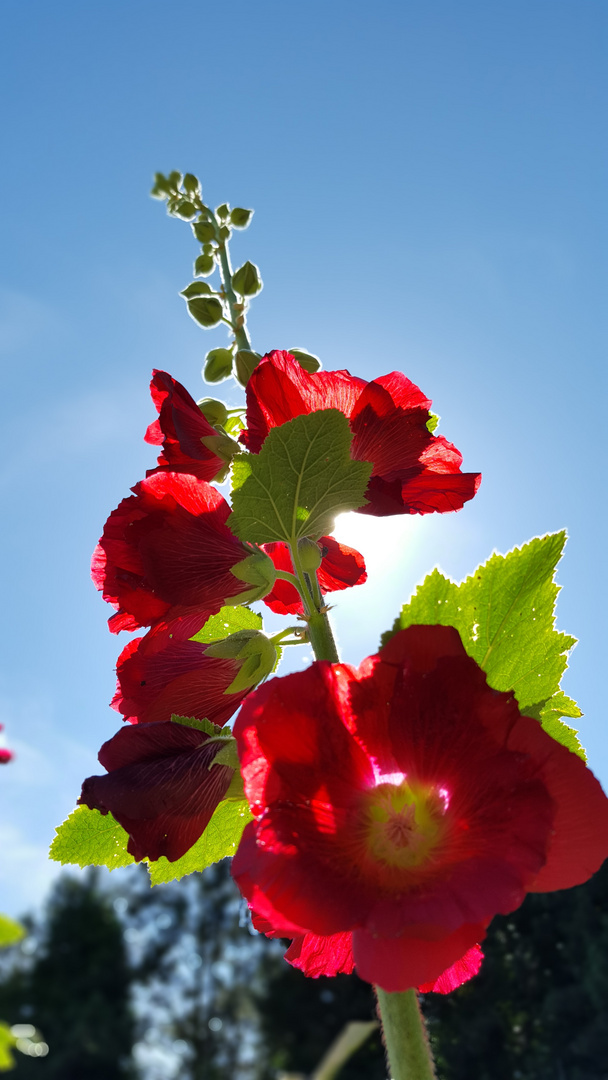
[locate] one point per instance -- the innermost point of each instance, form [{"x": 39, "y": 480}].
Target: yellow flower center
[{"x": 403, "y": 823}]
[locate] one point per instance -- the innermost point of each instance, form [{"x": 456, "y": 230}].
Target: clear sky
[{"x": 429, "y": 183}]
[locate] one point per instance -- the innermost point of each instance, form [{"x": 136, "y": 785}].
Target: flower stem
[
  {"x": 237, "y": 312},
  {"x": 321, "y": 637},
  {"x": 405, "y": 1038}
]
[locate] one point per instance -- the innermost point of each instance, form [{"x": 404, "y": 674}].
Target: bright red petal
[
  {"x": 459, "y": 973},
  {"x": 317, "y": 956},
  {"x": 180, "y": 429},
  {"x": 397, "y": 964}
]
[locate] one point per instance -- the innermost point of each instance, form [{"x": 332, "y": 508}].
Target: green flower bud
[
  {"x": 224, "y": 233},
  {"x": 246, "y": 280},
  {"x": 161, "y": 187},
  {"x": 257, "y": 570},
  {"x": 306, "y": 360},
  {"x": 205, "y": 310},
  {"x": 256, "y": 651},
  {"x": 246, "y": 362},
  {"x": 222, "y": 446},
  {"x": 223, "y": 211},
  {"x": 310, "y": 555},
  {"x": 196, "y": 288},
  {"x": 240, "y": 218},
  {"x": 214, "y": 411},
  {"x": 204, "y": 265},
  {"x": 174, "y": 180},
  {"x": 204, "y": 231},
  {"x": 218, "y": 365},
  {"x": 185, "y": 209},
  {"x": 191, "y": 184}
]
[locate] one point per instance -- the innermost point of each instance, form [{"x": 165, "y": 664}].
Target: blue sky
[{"x": 429, "y": 185}]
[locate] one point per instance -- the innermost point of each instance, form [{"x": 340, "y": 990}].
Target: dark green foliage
[
  {"x": 537, "y": 1010},
  {"x": 75, "y": 990}
]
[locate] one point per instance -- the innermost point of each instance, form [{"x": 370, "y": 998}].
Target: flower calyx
[
  {"x": 254, "y": 649},
  {"x": 258, "y": 571}
]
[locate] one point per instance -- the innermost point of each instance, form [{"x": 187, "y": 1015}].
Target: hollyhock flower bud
[
  {"x": 164, "y": 673},
  {"x": 310, "y": 554},
  {"x": 414, "y": 472},
  {"x": 161, "y": 785},
  {"x": 258, "y": 570},
  {"x": 180, "y": 429},
  {"x": 167, "y": 545},
  {"x": 341, "y": 567},
  {"x": 400, "y": 806},
  {"x": 254, "y": 650}
]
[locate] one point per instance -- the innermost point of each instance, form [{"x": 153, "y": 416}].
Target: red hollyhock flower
[
  {"x": 414, "y": 472},
  {"x": 159, "y": 787},
  {"x": 180, "y": 429},
  {"x": 340, "y": 568},
  {"x": 400, "y": 806},
  {"x": 167, "y": 545},
  {"x": 165, "y": 673}
]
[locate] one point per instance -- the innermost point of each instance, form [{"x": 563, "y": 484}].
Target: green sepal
[
  {"x": 222, "y": 446},
  {"x": 218, "y": 365},
  {"x": 302, "y": 478},
  {"x": 227, "y": 621},
  {"x": 257, "y": 569},
  {"x": 207, "y": 311},
  {"x": 240, "y": 218},
  {"x": 247, "y": 280},
  {"x": 227, "y": 754},
  {"x": 504, "y": 613},
  {"x": 204, "y": 725},
  {"x": 254, "y": 649},
  {"x": 306, "y": 360},
  {"x": 204, "y": 265},
  {"x": 196, "y": 288}
]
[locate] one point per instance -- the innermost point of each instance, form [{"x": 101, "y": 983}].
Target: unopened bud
[
  {"x": 223, "y": 211},
  {"x": 309, "y": 554},
  {"x": 191, "y": 184},
  {"x": 205, "y": 264},
  {"x": 240, "y": 218},
  {"x": 245, "y": 363},
  {"x": 254, "y": 649},
  {"x": 222, "y": 446},
  {"x": 205, "y": 310},
  {"x": 214, "y": 411},
  {"x": 306, "y": 360},
  {"x": 246, "y": 280},
  {"x": 204, "y": 231},
  {"x": 258, "y": 571},
  {"x": 218, "y": 365}
]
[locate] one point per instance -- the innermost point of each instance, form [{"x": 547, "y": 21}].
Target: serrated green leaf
[
  {"x": 89, "y": 838},
  {"x": 219, "y": 840},
  {"x": 229, "y": 620},
  {"x": 10, "y": 932},
  {"x": 207, "y": 726},
  {"x": 301, "y": 479},
  {"x": 504, "y": 614}
]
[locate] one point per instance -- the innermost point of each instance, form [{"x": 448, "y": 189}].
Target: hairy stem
[{"x": 405, "y": 1038}]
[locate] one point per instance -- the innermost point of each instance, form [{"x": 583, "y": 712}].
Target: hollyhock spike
[
  {"x": 405, "y": 804},
  {"x": 414, "y": 471}
]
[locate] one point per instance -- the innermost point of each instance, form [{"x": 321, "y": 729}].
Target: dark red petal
[
  {"x": 397, "y": 964},
  {"x": 459, "y": 973},
  {"x": 322, "y": 955},
  {"x": 159, "y": 787},
  {"x": 180, "y": 428}
]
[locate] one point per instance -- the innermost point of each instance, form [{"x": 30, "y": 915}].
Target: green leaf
[
  {"x": 219, "y": 840},
  {"x": 301, "y": 479},
  {"x": 246, "y": 280},
  {"x": 229, "y": 620},
  {"x": 89, "y": 838},
  {"x": 432, "y": 422},
  {"x": 204, "y": 265},
  {"x": 504, "y": 614},
  {"x": 205, "y": 725},
  {"x": 206, "y": 310},
  {"x": 10, "y": 932},
  {"x": 196, "y": 288}
]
